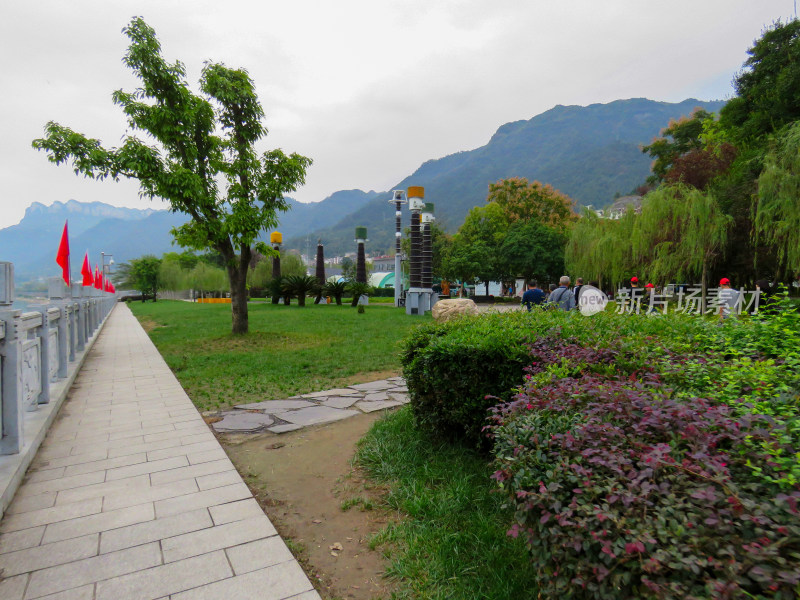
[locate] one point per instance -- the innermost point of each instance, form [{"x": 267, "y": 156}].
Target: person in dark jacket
[{"x": 533, "y": 295}]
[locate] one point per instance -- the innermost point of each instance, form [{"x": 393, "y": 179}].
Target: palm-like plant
[
  {"x": 275, "y": 289},
  {"x": 300, "y": 286},
  {"x": 336, "y": 289},
  {"x": 358, "y": 290}
]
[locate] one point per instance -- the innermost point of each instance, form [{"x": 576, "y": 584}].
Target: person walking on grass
[
  {"x": 727, "y": 298},
  {"x": 562, "y": 297},
  {"x": 576, "y": 291}
]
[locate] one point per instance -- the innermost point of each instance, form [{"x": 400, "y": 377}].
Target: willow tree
[
  {"x": 776, "y": 213},
  {"x": 203, "y": 162},
  {"x": 680, "y": 232}
]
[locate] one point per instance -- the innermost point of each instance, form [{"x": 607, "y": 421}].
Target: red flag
[
  {"x": 62, "y": 258},
  {"x": 97, "y": 278},
  {"x": 86, "y": 271}
]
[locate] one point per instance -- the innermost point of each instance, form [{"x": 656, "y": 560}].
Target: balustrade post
[
  {"x": 63, "y": 335},
  {"x": 44, "y": 355},
  {"x": 12, "y": 412}
]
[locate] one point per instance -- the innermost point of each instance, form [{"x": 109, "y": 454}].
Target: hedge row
[{"x": 644, "y": 457}]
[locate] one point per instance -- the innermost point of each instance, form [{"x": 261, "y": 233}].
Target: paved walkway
[{"x": 131, "y": 497}]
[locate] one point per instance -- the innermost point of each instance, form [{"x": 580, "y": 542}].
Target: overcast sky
[{"x": 368, "y": 89}]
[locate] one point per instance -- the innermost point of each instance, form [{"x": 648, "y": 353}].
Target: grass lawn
[
  {"x": 451, "y": 541},
  {"x": 289, "y": 350}
]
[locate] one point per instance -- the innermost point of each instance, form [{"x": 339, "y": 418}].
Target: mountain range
[{"x": 589, "y": 153}]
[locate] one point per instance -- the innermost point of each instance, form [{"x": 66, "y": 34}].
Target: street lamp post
[{"x": 106, "y": 268}]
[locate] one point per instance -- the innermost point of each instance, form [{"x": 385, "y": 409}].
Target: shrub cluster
[{"x": 623, "y": 491}]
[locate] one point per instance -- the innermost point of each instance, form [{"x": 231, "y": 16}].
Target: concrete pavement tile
[
  {"x": 46, "y": 516},
  {"x": 215, "y": 480},
  {"x": 13, "y": 588},
  {"x": 272, "y": 583},
  {"x": 152, "y": 531},
  {"x": 144, "y": 447},
  {"x": 220, "y": 495},
  {"x": 48, "y": 555},
  {"x": 190, "y": 472},
  {"x": 19, "y": 505},
  {"x": 99, "y": 490},
  {"x": 310, "y": 595},
  {"x": 85, "y": 592},
  {"x": 203, "y": 435},
  {"x": 149, "y": 494},
  {"x": 147, "y": 467},
  {"x": 67, "y": 461},
  {"x": 46, "y": 475},
  {"x": 197, "y": 458},
  {"x": 317, "y": 414},
  {"x": 235, "y": 511},
  {"x": 121, "y": 435},
  {"x": 216, "y": 538},
  {"x": 167, "y": 579},
  {"x": 182, "y": 450},
  {"x": 258, "y": 555},
  {"x": 339, "y": 401},
  {"x": 90, "y": 570},
  {"x": 64, "y": 483},
  {"x": 271, "y": 405},
  {"x": 98, "y": 522},
  {"x": 369, "y": 407},
  {"x": 108, "y": 463},
  {"x": 17, "y": 540}
]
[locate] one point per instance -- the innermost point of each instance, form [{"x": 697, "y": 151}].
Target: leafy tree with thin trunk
[
  {"x": 777, "y": 208},
  {"x": 204, "y": 161},
  {"x": 680, "y": 233}
]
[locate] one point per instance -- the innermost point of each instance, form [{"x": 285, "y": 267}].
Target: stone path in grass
[
  {"x": 296, "y": 412},
  {"x": 131, "y": 497}
]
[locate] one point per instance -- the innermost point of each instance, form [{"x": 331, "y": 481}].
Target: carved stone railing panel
[
  {"x": 52, "y": 353},
  {"x": 31, "y": 372}
]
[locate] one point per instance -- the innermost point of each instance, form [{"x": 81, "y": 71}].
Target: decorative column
[
  {"x": 416, "y": 300},
  {"x": 320, "y": 273},
  {"x": 276, "y": 239},
  {"x": 398, "y": 199},
  {"x": 427, "y": 254},
  {"x": 361, "y": 261}
]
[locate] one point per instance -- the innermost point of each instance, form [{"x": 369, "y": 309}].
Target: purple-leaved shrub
[{"x": 622, "y": 491}]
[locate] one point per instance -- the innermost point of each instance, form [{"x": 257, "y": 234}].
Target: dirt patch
[
  {"x": 149, "y": 325},
  {"x": 323, "y": 507},
  {"x": 366, "y": 376}
]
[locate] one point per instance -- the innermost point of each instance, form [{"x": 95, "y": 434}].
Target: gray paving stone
[
  {"x": 339, "y": 401},
  {"x": 190, "y": 472},
  {"x": 311, "y": 595},
  {"x": 167, "y": 579},
  {"x": 271, "y": 405},
  {"x": 13, "y": 588},
  {"x": 376, "y": 396},
  {"x": 152, "y": 531},
  {"x": 369, "y": 407},
  {"x": 17, "y": 540},
  {"x": 216, "y": 538},
  {"x": 243, "y": 421},
  {"x": 335, "y": 392},
  {"x": 89, "y": 570},
  {"x": 85, "y": 592},
  {"x": 402, "y": 389},
  {"x": 235, "y": 511},
  {"x": 149, "y": 494},
  {"x": 402, "y": 398},
  {"x": 49, "y": 555},
  {"x": 370, "y": 386},
  {"x": 20, "y": 505},
  {"x": 189, "y": 502},
  {"x": 284, "y": 428},
  {"x": 316, "y": 415},
  {"x": 272, "y": 583},
  {"x": 73, "y": 528},
  {"x": 258, "y": 555},
  {"x": 54, "y": 514}
]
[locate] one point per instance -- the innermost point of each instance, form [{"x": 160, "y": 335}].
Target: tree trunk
[
  {"x": 704, "y": 285},
  {"x": 486, "y": 283},
  {"x": 238, "y": 281},
  {"x": 338, "y": 299}
]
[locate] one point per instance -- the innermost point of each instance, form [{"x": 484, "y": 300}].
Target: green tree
[
  {"x": 677, "y": 139},
  {"x": 143, "y": 275},
  {"x": 680, "y": 233},
  {"x": 533, "y": 251},
  {"x": 767, "y": 87},
  {"x": 205, "y": 162},
  {"x": 524, "y": 201},
  {"x": 777, "y": 209}
]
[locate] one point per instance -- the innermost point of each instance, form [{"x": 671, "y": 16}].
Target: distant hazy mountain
[{"x": 589, "y": 153}]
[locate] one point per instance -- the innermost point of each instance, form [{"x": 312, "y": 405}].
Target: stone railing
[{"x": 41, "y": 350}]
